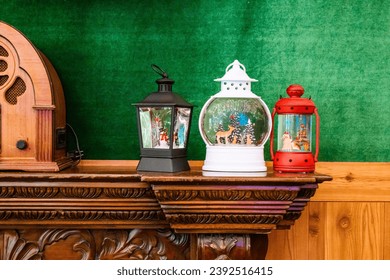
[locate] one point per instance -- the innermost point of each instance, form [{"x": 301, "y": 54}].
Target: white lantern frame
[{"x": 233, "y": 158}]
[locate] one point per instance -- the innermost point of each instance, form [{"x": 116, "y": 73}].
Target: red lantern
[{"x": 294, "y": 142}]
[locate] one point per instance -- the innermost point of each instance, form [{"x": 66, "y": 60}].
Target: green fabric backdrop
[{"x": 338, "y": 50}]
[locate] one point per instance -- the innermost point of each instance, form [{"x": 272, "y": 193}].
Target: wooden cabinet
[{"x": 106, "y": 210}]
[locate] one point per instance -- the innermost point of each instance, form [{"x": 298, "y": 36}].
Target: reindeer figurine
[{"x": 224, "y": 134}]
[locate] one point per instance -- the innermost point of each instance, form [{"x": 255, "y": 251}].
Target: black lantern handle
[{"x": 159, "y": 71}]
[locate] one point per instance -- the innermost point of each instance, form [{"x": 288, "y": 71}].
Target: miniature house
[{"x": 32, "y": 107}]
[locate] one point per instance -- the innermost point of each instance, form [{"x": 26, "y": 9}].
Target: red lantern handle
[
  {"x": 272, "y": 134},
  {"x": 317, "y": 134}
]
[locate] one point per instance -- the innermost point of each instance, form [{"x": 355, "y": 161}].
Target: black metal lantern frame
[{"x": 164, "y": 121}]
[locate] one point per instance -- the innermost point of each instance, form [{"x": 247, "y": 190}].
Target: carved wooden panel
[
  {"x": 87, "y": 204},
  {"x": 130, "y": 244},
  {"x": 135, "y": 244},
  {"x": 112, "y": 212}
]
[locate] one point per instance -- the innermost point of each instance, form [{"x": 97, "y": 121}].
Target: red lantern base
[{"x": 294, "y": 162}]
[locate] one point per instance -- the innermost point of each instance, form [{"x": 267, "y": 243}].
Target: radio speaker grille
[{"x": 17, "y": 89}]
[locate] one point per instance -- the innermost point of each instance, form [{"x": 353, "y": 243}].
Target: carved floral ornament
[{"x": 136, "y": 244}]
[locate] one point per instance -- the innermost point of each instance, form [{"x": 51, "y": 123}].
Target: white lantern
[{"x": 235, "y": 124}]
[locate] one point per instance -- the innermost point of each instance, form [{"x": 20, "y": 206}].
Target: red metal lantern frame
[{"x": 288, "y": 161}]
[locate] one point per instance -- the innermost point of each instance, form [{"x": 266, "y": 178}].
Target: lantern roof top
[
  {"x": 162, "y": 99},
  {"x": 235, "y": 72},
  {"x": 164, "y": 95},
  {"x": 295, "y": 104}
]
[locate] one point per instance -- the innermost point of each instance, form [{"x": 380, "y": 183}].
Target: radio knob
[{"x": 21, "y": 144}]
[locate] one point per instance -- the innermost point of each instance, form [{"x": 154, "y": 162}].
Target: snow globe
[
  {"x": 235, "y": 124},
  {"x": 294, "y": 132}
]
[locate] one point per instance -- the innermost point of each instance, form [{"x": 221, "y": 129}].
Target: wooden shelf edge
[{"x": 351, "y": 181}]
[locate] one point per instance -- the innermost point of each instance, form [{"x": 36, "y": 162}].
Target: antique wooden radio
[{"x": 32, "y": 107}]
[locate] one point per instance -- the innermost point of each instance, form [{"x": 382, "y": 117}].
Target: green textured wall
[{"x": 102, "y": 50}]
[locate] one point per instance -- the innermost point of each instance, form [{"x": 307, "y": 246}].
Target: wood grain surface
[{"x": 347, "y": 219}]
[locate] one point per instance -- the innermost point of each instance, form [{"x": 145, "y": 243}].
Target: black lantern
[{"x": 164, "y": 120}]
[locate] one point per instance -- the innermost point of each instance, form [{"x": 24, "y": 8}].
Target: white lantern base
[{"x": 232, "y": 158}]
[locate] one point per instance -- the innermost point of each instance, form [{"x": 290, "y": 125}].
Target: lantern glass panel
[
  {"x": 294, "y": 132},
  {"x": 181, "y": 127},
  {"x": 235, "y": 121},
  {"x": 155, "y": 126}
]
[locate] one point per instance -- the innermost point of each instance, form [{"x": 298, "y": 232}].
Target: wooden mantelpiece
[{"x": 106, "y": 210}]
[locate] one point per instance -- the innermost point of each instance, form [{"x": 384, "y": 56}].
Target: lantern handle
[
  {"x": 159, "y": 71},
  {"x": 317, "y": 134},
  {"x": 272, "y": 134}
]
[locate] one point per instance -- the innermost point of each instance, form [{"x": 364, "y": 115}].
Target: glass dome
[
  {"x": 235, "y": 121},
  {"x": 295, "y": 131},
  {"x": 235, "y": 124}
]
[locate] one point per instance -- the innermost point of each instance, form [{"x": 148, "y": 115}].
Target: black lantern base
[{"x": 163, "y": 164}]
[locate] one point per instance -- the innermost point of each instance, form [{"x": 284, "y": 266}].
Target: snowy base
[{"x": 233, "y": 158}]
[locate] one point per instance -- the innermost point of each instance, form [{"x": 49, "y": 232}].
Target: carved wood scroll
[{"x": 135, "y": 244}]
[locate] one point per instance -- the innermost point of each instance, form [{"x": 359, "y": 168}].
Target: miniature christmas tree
[
  {"x": 249, "y": 133},
  {"x": 235, "y": 137}
]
